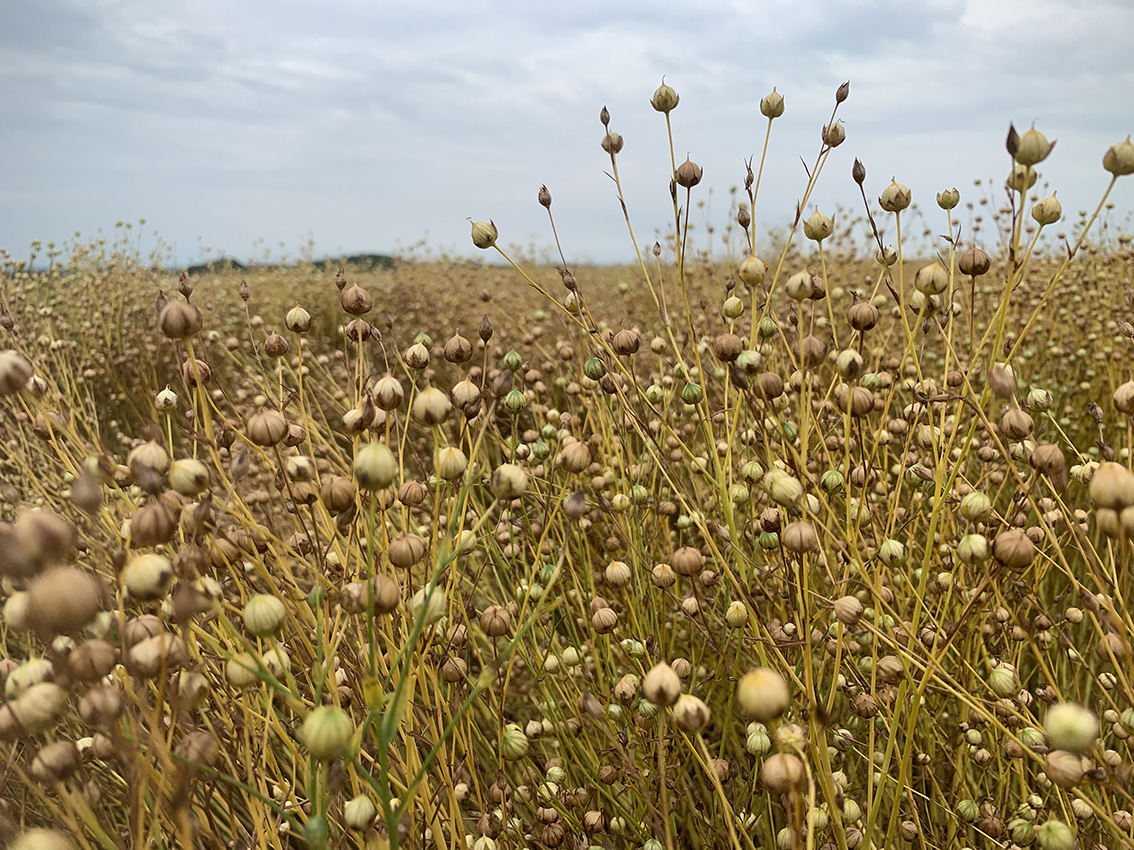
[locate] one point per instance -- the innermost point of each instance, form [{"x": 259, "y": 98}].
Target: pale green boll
[
  {"x": 264, "y": 614},
  {"x": 1048, "y": 211},
  {"x": 1055, "y": 835},
  {"x": 1071, "y": 727},
  {"x": 892, "y": 552},
  {"x": 429, "y": 603},
  {"x": 327, "y": 732},
  {"x": 1004, "y": 681},
  {"x": 514, "y": 743},
  {"x": 359, "y": 812},
  {"x": 375, "y": 466},
  {"x": 784, "y": 489}
]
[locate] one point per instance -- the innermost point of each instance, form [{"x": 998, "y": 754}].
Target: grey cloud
[{"x": 371, "y": 124}]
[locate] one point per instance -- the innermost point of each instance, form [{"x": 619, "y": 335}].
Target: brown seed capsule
[
  {"x": 690, "y": 714},
  {"x": 799, "y": 537},
  {"x": 15, "y": 371},
  {"x": 1063, "y": 768},
  {"x": 91, "y": 660},
  {"x": 356, "y": 301},
  {"x": 812, "y": 351},
  {"x": 769, "y": 385},
  {"x": 895, "y": 197},
  {"x": 687, "y": 561},
  {"x": 179, "y": 320},
  {"x": 689, "y": 174},
  {"x": 1016, "y": 424},
  {"x": 544, "y": 197},
  {"x": 276, "y": 345},
  {"x": 834, "y": 134},
  {"x": 152, "y": 525},
  {"x": 772, "y": 105},
  {"x": 625, "y": 343},
  {"x": 406, "y": 550},
  {"x": 1119, "y": 158},
  {"x": 612, "y": 143},
  {"x": 495, "y": 621},
  {"x": 862, "y": 316},
  {"x": 782, "y": 773},
  {"x": 727, "y": 347},
  {"x": 1014, "y": 549},
  {"x": 337, "y": 493},
  {"x": 665, "y": 99},
  {"x": 149, "y": 657},
  {"x": 458, "y": 349},
  {"x": 974, "y": 262},
  {"x": 266, "y": 427},
  {"x": 62, "y": 600},
  {"x": 55, "y": 762},
  {"x": 604, "y": 620}
]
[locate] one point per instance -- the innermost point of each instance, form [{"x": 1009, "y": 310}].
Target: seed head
[
  {"x": 266, "y": 427},
  {"x": 1014, "y": 549},
  {"x": 781, "y": 773},
  {"x": 1048, "y": 211},
  {"x": 662, "y": 686},
  {"x": 42, "y": 839},
  {"x": 1119, "y": 158},
  {"x": 1054, "y": 834},
  {"x": 690, "y": 713},
  {"x": 327, "y": 732},
  {"x": 509, "y": 481},
  {"x": 15, "y": 371},
  {"x": 799, "y": 537},
  {"x": 689, "y": 174},
  {"x": 612, "y": 143},
  {"x": 179, "y": 320},
  {"x": 431, "y": 406},
  {"x": 297, "y": 320},
  {"x": 665, "y": 99},
  {"x": 375, "y": 466},
  {"x": 544, "y": 197},
  {"x": 974, "y": 262},
  {"x": 62, "y": 600},
  {"x": 484, "y": 234},
  {"x": 948, "y": 199},
  {"x": 264, "y": 614},
  {"x": 858, "y": 172},
  {"x": 1069, "y": 726},
  {"x": 1021, "y": 178},
  {"x": 356, "y": 301},
  {"x": 450, "y": 463},
  {"x": 1063, "y": 768},
  {"x": 932, "y": 279},
  {"x": 752, "y": 271},
  {"x": 772, "y": 105},
  {"x": 895, "y": 197},
  {"x": 818, "y": 226},
  {"x": 1032, "y": 147},
  {"x": 834, "y": 134},
  {"x": 763, "y": 694}
]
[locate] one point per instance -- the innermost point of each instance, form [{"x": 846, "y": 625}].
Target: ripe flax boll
[
  {"x": 661, "y": 686},
  {"x": 763, "y": 694}
]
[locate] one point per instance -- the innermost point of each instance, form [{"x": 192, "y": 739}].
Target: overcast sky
[{"x": 367, "y": 126}]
